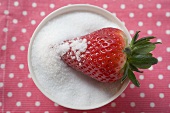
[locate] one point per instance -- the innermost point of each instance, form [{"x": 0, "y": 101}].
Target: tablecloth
[{"x": 18, "y": 20}]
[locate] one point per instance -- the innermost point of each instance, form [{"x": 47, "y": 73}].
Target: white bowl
[{"x": 63, "y": 10}]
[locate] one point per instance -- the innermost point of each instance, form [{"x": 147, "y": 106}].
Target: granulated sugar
[
  {"x": 69, "y": 87},
  {"x": 77, "y": 46}
]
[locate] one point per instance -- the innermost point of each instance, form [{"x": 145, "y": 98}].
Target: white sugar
[
  {"x": 67, "y": 86},
  {"x": 77, "y": 46},
  {"x": 62, "y": 49}
]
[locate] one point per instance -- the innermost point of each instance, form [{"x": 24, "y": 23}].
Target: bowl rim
[{"x": 62, "y": 10}]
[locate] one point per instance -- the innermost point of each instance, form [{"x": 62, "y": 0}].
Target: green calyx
[{"x": 138, "y": 57}]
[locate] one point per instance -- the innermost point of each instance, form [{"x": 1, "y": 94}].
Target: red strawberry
[{"x": 105, "y": 55}]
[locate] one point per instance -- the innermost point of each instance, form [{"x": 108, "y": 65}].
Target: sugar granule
[
  {"x": 62, "y": 49},
  {"x": 77, "y": 46},
  {"x": 67, "y": 86}
]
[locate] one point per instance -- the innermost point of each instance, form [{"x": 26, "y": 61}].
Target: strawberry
[{"x": 106, "y": 56}]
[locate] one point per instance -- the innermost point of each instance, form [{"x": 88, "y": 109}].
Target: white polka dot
[
  {"x": 167, "y": 14},
  {"x": 103, "y": 112},
  {"x": 55, "y": 104},
  {"x": 122, "y": 6},
  {"x": 149, "y": 32},
  {"x": 6, "y": 12},
  {"x": 13, "y": 39},
  {"x": 5, "y": 29},
  {"x": 122, "y": 112},
  {"x": 1, "y": 84},
  {"x": 123, "y": 95},
  {"x": 132, "y": 32},
  {"x": 113, "y": 104},
  {"x": 151, "y": 68},
  {"x": 29, "y": 75},
  {"x": 2, "y": 66},
  {"x": 46, "y": 111},
  {"x": 3, "y": 47},
  {"x": 160, "y": 76},
  {"x": 0, "y": 103},
  {"x": 42, "y": 13},
  {"x": 20, "y": 84},
  {"x": 9, "y": 94},
  {"x": 22, "y": 48},
  {"x": 151, "y": 86},
  {"x": 37, "y": 103},
  {"x": 8, "y": 112},
  {"x": 34, "y": 4},
  {"x": 168, "y": 49},
  {"x": 16, "y": 3},
  {"x": 131, "y": 15},
  {"x": 141, "y": 77},
  {"x": 158, "y": 23},
  {"x": 15, "y": 21},
  {"x": 23, "y": 30},
  {"x": 149, "y": 14},
  {"x": 161, "y": 95},
  {"x": 65, "y": 112},
  {"x": 168, "y": 85},
  {"x": 152, "y": 104},
  {"x": 21, "y": 66},
  {"x": 132, "y": 86},
  {"x": 142, "y": 95},
  {"x": 52, "y": 6},
  {"x": 168, "y": 67},
  {"x": 132, "y": 104},
  {"x": 105, "y": 6},
  {"x": 167, "y": 32},
  {"x": 28, "y": 94},
  {"x": 140, "y": 23},
  {"x": 33, "y": 22},
  {"x": 158, "y": 6},
  {"x": 18, "y": 103},
  {"x": 11, "y": 75},
  {"x": 27, "y": 111},
  {"x": 140, "y": 6},
  {"x": 159, "y": 59},
  {"x": 24, "y": 13},
  {"x": 12, "y": 57},
  {"x": 159, "y": 40}
]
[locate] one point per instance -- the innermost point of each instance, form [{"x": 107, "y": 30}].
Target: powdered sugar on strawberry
[
  {"x": 62, "y": 49},
  {"x": 77, "y": 46}
]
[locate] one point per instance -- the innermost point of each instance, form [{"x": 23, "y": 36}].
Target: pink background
[{"x": 18, "y": 20}]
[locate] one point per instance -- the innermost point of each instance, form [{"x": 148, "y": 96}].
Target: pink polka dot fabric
[{"x": 18, "y": 20}]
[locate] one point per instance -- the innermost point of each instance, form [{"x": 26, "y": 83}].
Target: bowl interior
[{"x": 64, "y": 10}]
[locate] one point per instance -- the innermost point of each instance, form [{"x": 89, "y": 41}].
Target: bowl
[{"x": 44, "y": 80}]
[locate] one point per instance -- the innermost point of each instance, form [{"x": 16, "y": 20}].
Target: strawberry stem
[
  {"x": 127, "y": 50},
  {"x": 138, "y": 57}
]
